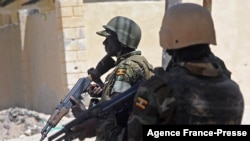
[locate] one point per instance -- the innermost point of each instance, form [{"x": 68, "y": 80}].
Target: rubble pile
[{"x": 17, "y": 122}]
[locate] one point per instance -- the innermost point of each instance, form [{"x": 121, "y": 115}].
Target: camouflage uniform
[
  {"x": 183, "y": 95},
  {"x": 122, "y": 37},
  {"x": 131, "y": 68},
  {"x": 195, "y": 89}
]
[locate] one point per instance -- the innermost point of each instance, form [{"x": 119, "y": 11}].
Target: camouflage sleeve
[
  {"x": 107, "y": 130},
  {"x": 150, "y": 107},
  {"x": 128, "y": 73},
  {"x": 153, "y": 104}
]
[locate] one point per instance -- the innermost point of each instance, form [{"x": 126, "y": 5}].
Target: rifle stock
[
  {"x": 119, "y": 103},
  {"x": 64, "y": 106}
]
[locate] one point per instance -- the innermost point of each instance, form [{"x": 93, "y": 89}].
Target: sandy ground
[{"x": 246, "y": 121}]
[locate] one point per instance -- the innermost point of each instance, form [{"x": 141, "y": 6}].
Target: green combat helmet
[{"x": 128, "y": 32}]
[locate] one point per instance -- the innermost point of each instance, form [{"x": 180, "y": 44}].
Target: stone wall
[{"x": 46, "y": 47}]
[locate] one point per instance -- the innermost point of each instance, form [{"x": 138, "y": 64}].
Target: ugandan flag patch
[
  {"x": 121, "y": 71},
  {"x": 141, "y": 103}
]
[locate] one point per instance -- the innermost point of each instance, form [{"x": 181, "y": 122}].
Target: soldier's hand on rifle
[
  {"x": 77, "y": 107},
  {"x": 94, "y": 90},
  {"x": 87, "y": 129}
]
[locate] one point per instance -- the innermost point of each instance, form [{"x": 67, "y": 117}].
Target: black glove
[
  {"x": 95, "y": 75},
  {"x": 87, "y": 129},
  {"x": 77, "y": 108},
  {"x": 95, "y": 90},
  {"x": 104, "y": 65}
]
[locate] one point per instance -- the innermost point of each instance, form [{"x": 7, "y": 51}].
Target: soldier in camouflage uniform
[
  {"x": 122, "y": 38},
  {"x": 195, "y": 89}
]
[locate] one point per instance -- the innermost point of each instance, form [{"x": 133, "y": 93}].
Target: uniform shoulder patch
[
  {"x": 141, "y": 103},
  {"x": 121, "y": 71}
]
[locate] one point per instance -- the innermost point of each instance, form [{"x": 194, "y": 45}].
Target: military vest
[
  {"x": 140, "y": 60},
  {"x": 201, "y": 100}
]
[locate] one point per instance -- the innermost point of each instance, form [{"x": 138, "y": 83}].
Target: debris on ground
[{"x": 18, "y": 122}]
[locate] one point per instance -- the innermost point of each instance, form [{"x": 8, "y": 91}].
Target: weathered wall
[
  {"x": 231, "y": 26},
  {"x": 147, "y": 14},
  {"x": 233, "y": 33},
  {"x": 232, "y": 22},
  {"x": 9, "y": 13},
  {"x": 32, "y": 75},
  {"x": 43, "y": 60},
  {"x": 59, "y": 46},
  {"x": 10, "y": 67}
]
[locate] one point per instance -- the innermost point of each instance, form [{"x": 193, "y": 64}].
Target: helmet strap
[{"x": 124, "y": 50}]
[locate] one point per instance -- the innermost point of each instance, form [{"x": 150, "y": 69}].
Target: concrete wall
[
  {"x": 231, "y": 24},
  {"x": 148, "y": 14},
  {"x": 44, "y": 63},
  {"x": 44, "y": 55},
  {"x": 10, "y": 67},
  {"x": 32, "y": 76},
  {"x": 233, "y": 32},
  {"x": 57, "y": 47},
  {"x": 230, "y": 19}
]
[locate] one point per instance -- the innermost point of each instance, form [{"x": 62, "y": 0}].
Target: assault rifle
[
  {"x": 80, "y": 87},
  {"x": 117, "y": 104},
  {"x": 63, "y": 108}
]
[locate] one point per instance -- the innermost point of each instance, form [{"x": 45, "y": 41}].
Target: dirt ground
[{"x": 19, "y": 124}]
